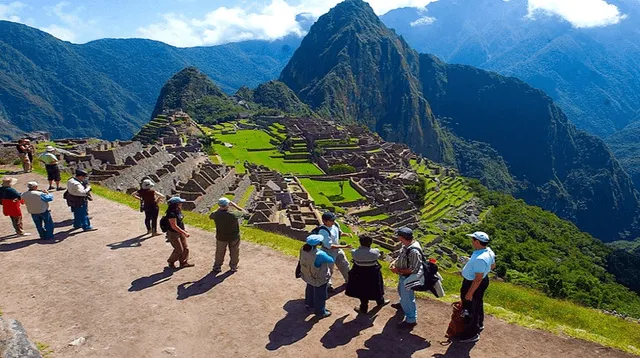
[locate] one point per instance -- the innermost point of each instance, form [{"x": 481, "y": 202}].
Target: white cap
[
  {"x": 480, "y": 236},
  {"x": 50, "y": 149},
  {"x": 32, "y": 184},
  {"x": 147, "y": 184}
]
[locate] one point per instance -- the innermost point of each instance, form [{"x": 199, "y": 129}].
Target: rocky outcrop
[{"x": 14, "y": 342}]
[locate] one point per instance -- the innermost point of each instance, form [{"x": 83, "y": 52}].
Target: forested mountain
[
  {"x": 497, "y": 129},
  {"x": 625, "y": 144},
  {"x": 591, "y": 73},
  {"x": 108, "y": 88}
]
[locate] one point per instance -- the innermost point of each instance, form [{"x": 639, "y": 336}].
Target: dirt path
[{"x": 103, "y": 286}]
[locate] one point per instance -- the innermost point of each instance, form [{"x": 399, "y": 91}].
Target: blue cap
[
  {"x": 224, "y": 202},
  {"x": 176, "y": 200},
  {"x": 480, "y": 236},
  {"x": 314, "y": 240},
  {"x": 406, "y": 233},
  {"x": 328, "y": 216}
]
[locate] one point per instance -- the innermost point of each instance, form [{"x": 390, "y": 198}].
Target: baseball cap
[
  {"x": 176, "y": 200},
  {"x": 32, "y": 184},
  {"x": 314, "y": 240},
  {"x": 81, "y": 173},
  {"x": 480, "y": 236},
  {"x": 147, "y": 184},
  {"x": 406, "y": 233},
  {"x": 224, "y": 202},
  {"x": 328, "y": 216},
  {"x": 50, "y": 148}
]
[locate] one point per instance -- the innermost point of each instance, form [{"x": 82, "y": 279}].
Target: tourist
[
  {"x": 11, "y": 202},
  {"x": 37, "y": 202},
  {"x": 409, "y": 262},
  {"x": 227, "y": 233},
  {"x": 365, "y": 277},
  {"x": 79, "y": 194},
  {"x": 475, "y": 282},
  {"x": 150, "y": 205},
  {"x": 176, "y": 234},
  {"x": 30, "y": 152},
  {"x": 331, "y": 233},
  {"x": 23, "y": 153},
  {"x": 316, "y": 272},
  {"x": 50, "y": 161}
]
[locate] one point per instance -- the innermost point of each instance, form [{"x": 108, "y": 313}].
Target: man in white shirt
[
  {"x": 331, "y": 233},
  {"x": 78, "y": 194},
  {"x": 476, "y": 281}
]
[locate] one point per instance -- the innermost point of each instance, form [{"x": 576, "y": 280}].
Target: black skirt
[{"x": 365, "y": 282}]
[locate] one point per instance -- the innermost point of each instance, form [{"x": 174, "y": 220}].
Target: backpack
[
  {"x": 431, "y": 276},
  {"x": 456, "y": 325},
  {"x": 315, "y": 231},
  {"x": 164, "y": 224}
]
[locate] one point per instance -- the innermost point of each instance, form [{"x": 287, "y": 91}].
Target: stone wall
[
  {"x": 132, "y": 176},
  {"x": 215, "y": 191},
  {"x": 118, "y": 154},
  {"x": 14, "y": 342},
  {"x": 283, "y": 229}
]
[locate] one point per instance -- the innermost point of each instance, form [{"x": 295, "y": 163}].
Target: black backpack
[
  {"x": 164, "y": 224},
  {"x": 430, "y": 270}
]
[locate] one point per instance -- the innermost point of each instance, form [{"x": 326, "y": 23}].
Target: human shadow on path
[
  {"x": 457, "y": 350},
  {"x": 341, "y": 333},
  {"x": 133, "y": 242},
  {"x": 12, "y": 246},
  {"x": 64, "y": 223},
  {"x": 336, "y": 291},
  {"x": 393, "y": 342},
  {"x": 145, "y": 282},
  {"x": 203, "y": 285},
  {"x": 293, "y": 327}
]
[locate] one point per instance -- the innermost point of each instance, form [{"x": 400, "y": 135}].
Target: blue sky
[{"x": 187, "y": 23}]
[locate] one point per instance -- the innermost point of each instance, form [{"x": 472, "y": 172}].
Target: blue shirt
[
  {"x": 322, "y": 258},
  {"x": 331, "y": 236},
  {"x": 480, "y": 262}
]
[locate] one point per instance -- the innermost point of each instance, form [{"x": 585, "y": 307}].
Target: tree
[
  {"x": 338, "y": 169},
  {"x": 341, "y": 184}
]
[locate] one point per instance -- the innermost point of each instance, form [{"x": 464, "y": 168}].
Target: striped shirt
[
  {"x": 410, "y": 258},
  {"x": 365, "y": 256}
]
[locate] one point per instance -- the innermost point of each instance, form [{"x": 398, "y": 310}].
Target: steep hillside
[
  {"x": 625, "y": 144},
  {"x": 352, "y": 67},
  {"x": 277, "y": 95},
  {"x": 590, "y": 72},
  {"x": 108, "y": 88}
]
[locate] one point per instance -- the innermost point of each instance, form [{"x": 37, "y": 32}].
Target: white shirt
[
  {"x": 75, "y": 188},
  {"x": 480, "y": 262},
  {"x": 332, "y": 237}
]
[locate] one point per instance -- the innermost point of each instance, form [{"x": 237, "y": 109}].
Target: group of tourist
[{"x": 322, "y": 252}]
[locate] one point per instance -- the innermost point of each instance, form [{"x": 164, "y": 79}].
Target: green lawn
[
  {"x": 270, "y": 157},
  {"x": 374, "y": 217},
  {"x": 327, "y": 193}
]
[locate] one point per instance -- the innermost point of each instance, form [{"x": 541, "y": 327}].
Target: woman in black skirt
[{"x": 365, "y": 278}]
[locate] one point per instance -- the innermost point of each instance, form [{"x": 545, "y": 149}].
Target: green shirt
[
  {"x": 48, "y": 158},
  {"x": 227, "y": 226}
]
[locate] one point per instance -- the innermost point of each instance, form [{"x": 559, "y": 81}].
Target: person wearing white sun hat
[
  {"x": 50, "y": 161},
  {"x": 474, "y": 285},
  {"x": 150, "y": 200}
]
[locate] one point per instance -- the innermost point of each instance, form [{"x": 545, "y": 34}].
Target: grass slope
[{"x": 327, "y": 193}]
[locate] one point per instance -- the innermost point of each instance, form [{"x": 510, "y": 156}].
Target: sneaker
[
  {"x": 90, "y": 229},
  {"x": 471, "y": 340},
  {"x": 216, "y": 270},
  {"x": 60, "y": 188},
  {"x": 397, "y": 306},
  {"x": 187, "y": 265},
  {"x": 326, "y": 314},
  {"x": 385, "y": 302},
  {"x": 234, "y": 269},
  {"x": 481, "y": 329},
  {"x": 407, "y": 325},
  {"x": 25, "y": 234},
  {"x": 51, "y": 188}
]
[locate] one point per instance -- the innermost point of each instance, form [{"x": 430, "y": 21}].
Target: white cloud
[
  {"x": 60, "y": 32},
  {"x": 69, "y": 22},
  {"x": 11, "y": 10},
  {"x": 580, "y": 13},
  {"x": 273, "y": 20},
  {"x": 427, "y": 20}
]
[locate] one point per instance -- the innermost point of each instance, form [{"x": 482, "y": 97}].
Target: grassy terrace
[
  {"x": 327, "y": 193},
  {"x": 511, "y": 303},
  {"x": 255, "y": 146}
]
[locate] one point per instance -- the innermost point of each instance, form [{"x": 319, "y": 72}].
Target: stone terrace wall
[
  {"x": 132, "y": 176},
  {"x": 283, "y": 229},
  {"x": 116, "y": 155},
  {"x": 215, "y": 191},
  {"x": 177, "y": 170}
]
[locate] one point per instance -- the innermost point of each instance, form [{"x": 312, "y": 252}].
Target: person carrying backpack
[
  {"x": 316, "y": 272},
  {"x": 227, "y": 233},
  {"x": 407, "y": 266},
  {"x": 476, "y": 281},
  {"x": 78, "y": 195},
  {"x": 176, "y": 234},
  {"x": 365, "y": 277},
  {"x": 331, "y": 233}
]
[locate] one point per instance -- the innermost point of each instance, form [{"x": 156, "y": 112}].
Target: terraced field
[
  {"x": 260, "y": 147},
  {"x": 327, "y": 193}
]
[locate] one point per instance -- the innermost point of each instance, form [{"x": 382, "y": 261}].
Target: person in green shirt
[
  {"x": 227, "y": 233},
  {"x": 50, "y": 161}
]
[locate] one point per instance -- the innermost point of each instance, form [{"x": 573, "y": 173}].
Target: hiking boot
[
  {"x": 216, "y": 270},
  {"x": 234, "y": 269},
  {"x": 407, "y": 325},
  {"x": 51, "y": 188},
  {"x": 326, "y": 314},
  {"x": 471, "y": 340},
  {"x": 187, "y": 265}
]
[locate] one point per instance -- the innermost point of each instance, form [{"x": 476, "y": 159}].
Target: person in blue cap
[
  {"x": 408, "y": 263},
  {"x": 475, "y": 282},
  {"x": 227, "y": 233},
  {"x": 176, "y": 234},
  {"x": 331, "y": 234},
  {"x": 316, "y": 272}
]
